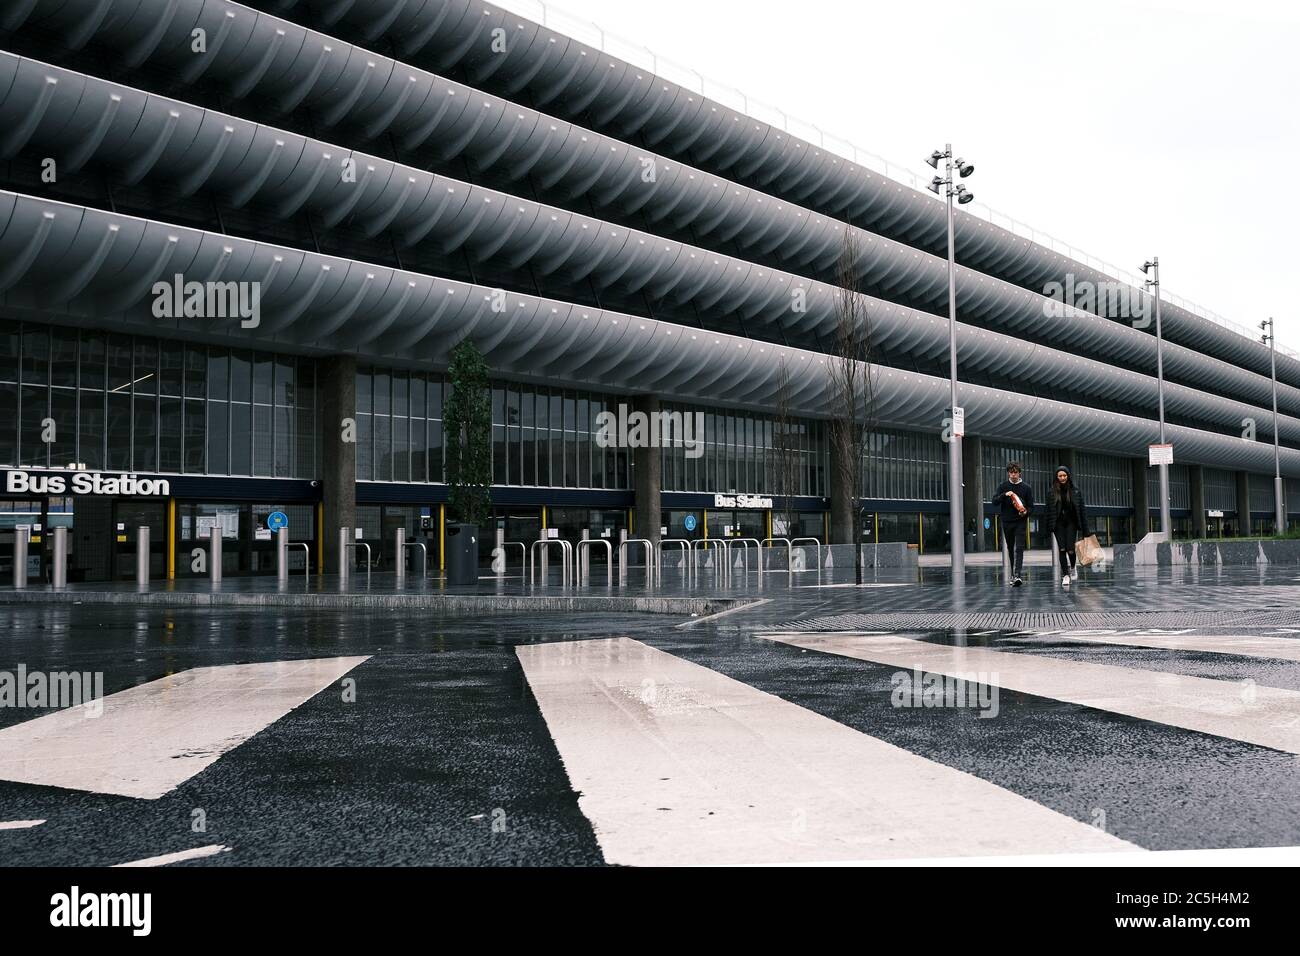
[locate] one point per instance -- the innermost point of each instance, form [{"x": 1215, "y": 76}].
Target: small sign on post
[
  {"x": 958, "y": 422},
  {"x": 1160, "y": 454}
]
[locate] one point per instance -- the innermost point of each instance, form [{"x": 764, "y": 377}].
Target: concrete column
[
  {"x": 647, "y": 485},
  {"x": 337, "y": 386},
  {"x": 1243, "y": 503},
  {"x": 1141, "y": 503},
  {"x": 973, "y": 477},
  {"x": 842, "y": 504},
  {"x": 1196, "y": 493}
]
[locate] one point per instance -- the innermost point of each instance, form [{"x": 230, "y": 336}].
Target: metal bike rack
[
  {"x": 306, "y": 557},
  {"x": 795, "y": 543},
  {"x": 722, "y": 564},
  {"x": 584, "y": 571},
  {"x": 686, "y": 555},
  {"x": 400, "y": 544},
  {"x": 650, "y": 560},
  {"x": 744, "y": 545},
  {"x": 566, "y": 558},
  {"x": 424, "y": 556},
  {"x": 789, "y": 550},
  {"x": 525, "y": 565},
  {"x": 362, "y": 544}
]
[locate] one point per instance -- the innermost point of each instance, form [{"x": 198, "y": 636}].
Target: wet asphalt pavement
[{"x": 444, "y": 756}]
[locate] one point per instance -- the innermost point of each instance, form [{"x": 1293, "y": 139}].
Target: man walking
[{"x": 1015, "y": 500}]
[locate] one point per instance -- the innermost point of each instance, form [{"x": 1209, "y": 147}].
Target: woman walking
[{"x": 1067, "y": 521}]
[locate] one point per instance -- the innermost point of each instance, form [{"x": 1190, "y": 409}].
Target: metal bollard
[
  {"x": 214, "y": 554},
  {"x": 142, "y": 555},
  {"x": 22, "y": 535},
  {"x": 345, "y": 555},
  {"x": 60, "y": 568},
  {"x": 499, "y": 553},
  {"x": 282, "y": 555},
  {"x": 584, "y": 559},
  {"x": 399, "y": 555}
]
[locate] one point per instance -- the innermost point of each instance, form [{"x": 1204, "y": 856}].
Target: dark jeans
[
  {"x": 1013, "y": 538},
  {"x": 1066, "y": 537}
]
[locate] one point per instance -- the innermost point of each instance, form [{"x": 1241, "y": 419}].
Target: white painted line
[
  {"x": 677, "y": 764},
  {"x": 1265, "y": 716},
  {"x": 153, "y": 737},
  {"x": 872, "y": 585},
  {"x": 1232, "y": 856},
  {"x": 1242, "y": 645},
  {"x": 197, "y": 853},
  {"x": 749, "y": 606},
  {"x": 20, "y": 824}
]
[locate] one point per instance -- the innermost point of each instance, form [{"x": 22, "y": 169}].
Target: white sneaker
[
  {"x": 1074, "y": 573},
  {"x": 1065, "y": 580}
]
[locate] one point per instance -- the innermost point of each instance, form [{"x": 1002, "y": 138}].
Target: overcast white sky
[{"x": 1127, "y": 128}]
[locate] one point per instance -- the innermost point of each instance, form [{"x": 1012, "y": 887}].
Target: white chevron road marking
[
  {"x": 153, "y": 737},
  {"x": 1266, "y": 716},
  {"x": 678, "y": 764}
]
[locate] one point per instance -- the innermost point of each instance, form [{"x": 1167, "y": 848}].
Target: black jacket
[
  {"x": 1008, "y": 510},
  {"x": 1055, "y": 509}
]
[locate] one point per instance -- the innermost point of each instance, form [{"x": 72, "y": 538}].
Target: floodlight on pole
[
  {"x": 1152, "y": 268},
  {"x": 1279, "y": 506},
  {"x": 956, "y": 506}
]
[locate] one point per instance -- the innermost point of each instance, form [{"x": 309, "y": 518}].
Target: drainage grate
[{"x": 1042, "y": 620}]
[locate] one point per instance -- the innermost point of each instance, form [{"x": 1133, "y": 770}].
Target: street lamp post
[
  {"x": 1279, "y": 507},
  {"x": 1152, "y": 269},
  {"x": 956, "y": 521}
]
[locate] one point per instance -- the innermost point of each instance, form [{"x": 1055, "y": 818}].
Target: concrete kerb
[{"x": 449, "y": 605}]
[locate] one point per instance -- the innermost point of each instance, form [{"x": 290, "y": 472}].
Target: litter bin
[{"x": 462, "y": 553}]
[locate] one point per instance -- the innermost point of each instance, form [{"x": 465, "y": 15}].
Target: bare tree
[
  {"x": 786, "y": 458},
  {"x": 853, "y": 399}
]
